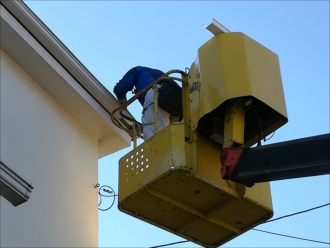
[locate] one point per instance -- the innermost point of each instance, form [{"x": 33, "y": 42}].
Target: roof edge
[{"x": 61, "y": 53}]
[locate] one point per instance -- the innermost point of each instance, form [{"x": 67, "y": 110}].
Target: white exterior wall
[{"x": 52, "y": 151}]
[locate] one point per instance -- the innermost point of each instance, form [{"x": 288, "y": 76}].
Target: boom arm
[{"x": 285, "y": 160}]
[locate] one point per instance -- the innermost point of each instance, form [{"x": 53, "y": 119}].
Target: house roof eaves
[{"x": 61, "y": 53}]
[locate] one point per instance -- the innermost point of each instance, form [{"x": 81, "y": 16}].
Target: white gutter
[{"x": 61, "y": 53}]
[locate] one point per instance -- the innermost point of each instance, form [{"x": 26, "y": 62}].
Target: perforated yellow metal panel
[{"x": 155, "y": 186}]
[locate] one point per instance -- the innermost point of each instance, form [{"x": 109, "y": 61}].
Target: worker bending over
[{"x": 138, "y": 78}]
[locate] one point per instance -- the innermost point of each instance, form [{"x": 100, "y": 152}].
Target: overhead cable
[
  {"x": 311, "y": 240},
  {"x": 285, "y": 216},
  {"x": 289, "y": 215},
  {"x": 174, "y": 243}
]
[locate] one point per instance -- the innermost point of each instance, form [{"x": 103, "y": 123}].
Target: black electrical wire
[
  {"x": 285, "y": 216},
  {"x": 174, "y": 243},
  {"x": 278, "y": 234},
  {"x": 311, "y": 240},
  {"x": 289, "y": 215},
  {"x": 110, "y": 193},
  {"x": 265, "y": 139}
]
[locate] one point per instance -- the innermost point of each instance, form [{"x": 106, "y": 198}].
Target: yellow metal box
[
  {"x": 156, "y": 185},
  {"x": 231, "y": 67}
]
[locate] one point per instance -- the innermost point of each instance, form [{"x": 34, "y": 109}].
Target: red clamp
[{"x": 229, "y": 158}]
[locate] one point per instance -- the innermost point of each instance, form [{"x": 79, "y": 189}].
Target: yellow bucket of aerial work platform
[{"x": 176, "y": 185}]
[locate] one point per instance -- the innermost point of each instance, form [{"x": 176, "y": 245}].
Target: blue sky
[{"x": 110, "y": 37}]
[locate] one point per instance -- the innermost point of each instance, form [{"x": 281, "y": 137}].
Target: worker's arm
[{"x": 125, "y": 84}]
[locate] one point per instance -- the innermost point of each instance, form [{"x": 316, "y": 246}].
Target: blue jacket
[{"x": 140, "y": 77}]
